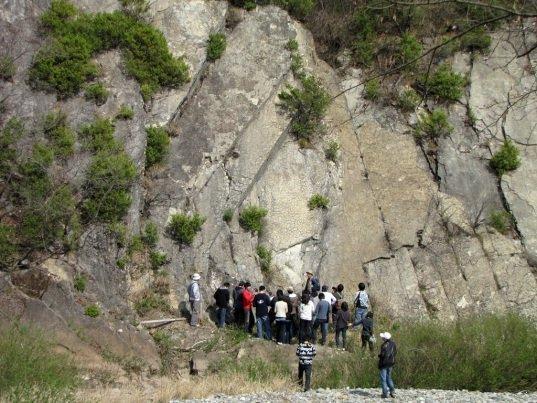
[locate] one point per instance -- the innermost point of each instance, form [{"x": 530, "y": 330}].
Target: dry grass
[{"x": 166, "y": 389}]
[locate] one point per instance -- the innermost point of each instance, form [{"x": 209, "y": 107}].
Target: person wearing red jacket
[{"x": 247, "y": 301}]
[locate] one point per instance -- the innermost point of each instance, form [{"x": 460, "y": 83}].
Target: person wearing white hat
[
  {"x": 388, "y": 350},
  {"x": 194, "y": 297}
]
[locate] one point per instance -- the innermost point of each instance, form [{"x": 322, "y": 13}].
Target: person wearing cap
[
  {"x": 388, "y": 351},
  {"x": 194, "y": 297}
]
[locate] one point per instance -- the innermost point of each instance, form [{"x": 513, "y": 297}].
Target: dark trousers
[
  {"x": 238, "y": 313},
  {"x": 366, "y": 342},
  {"x": 303, "y": 368},
  {"x": 323, "y": 324},
  {"x": 304, "y": 332},
  {"x": 281, "y": 330},
  {"x": 343, "y": 334},
  {"x": 221, "y": 316}
]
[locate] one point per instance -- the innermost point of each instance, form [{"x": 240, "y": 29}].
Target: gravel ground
[{"x": 373, "y": 395}]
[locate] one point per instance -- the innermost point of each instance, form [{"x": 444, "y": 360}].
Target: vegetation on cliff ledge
[{"x": 64, "y": 64}]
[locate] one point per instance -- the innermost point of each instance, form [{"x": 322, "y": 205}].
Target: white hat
[
  {"x": 196, "y": 276},
  {"x": 385, "y": 336}
]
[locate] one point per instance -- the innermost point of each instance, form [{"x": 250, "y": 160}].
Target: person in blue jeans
[
  {"x": 262, "y": 307},
  {"x": 221, "y": 297},
  {"x": 322, "y": 314},
  {"x": 361, "y": 303},
  {"x": 388, "y": 351}
]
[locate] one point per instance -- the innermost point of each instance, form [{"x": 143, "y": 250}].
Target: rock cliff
[{"x": 408, "y": 218}]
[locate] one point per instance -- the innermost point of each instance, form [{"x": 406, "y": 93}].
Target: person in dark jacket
[
  {"x": 341, "y": 323},
  {"x": 367, "y": 331},
  {"x": 388, "y": 350},
  {"x": 322, "y": 315},
  {"x": 238, "y": 313},
  {"x": 221, "y": 297},
  {"x": 262, "y": 306}
]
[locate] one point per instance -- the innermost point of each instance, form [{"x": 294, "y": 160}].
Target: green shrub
[
  {"x": 64, "y": 64},
  {"x": 297, "y": 65},
  {"x": 372, "y": 90},
  {"x": 125, "y": 112},
  {"x": 228, "y": 215},
  {"x": 97, "y": 93},
  {"x": 444, "y": 83},
  {"x": 331, "y": 152},
  {"x": 158, "y": 145},
  {"x": 8, "y": 246},
  {"x": 469, "y": 354},
  {"x": 118, "y": 231},
  {"x": 216, "y": 45},
  {"x": 292, "y": 45},
  {"x": 150, "y": 236},
  {"x": 408, "y": 100},
  {"x": 506, "y": 159},
  {"x": 7, "y": 67},
  {"x": 478, "y": 39},
  {"x": 107, "y": 187},
  {"x": 99, "y": 135},
  {"x": 183, "y": 228},
  {"x": 251, "y": 218},
  {"x": 250, "y": 5},
  {"x": 318, "y": 201},
  {"x": 150, "y": 301},
  {"x": 265, "y": 257},
  {"x": 92, "y": 311},
  {"x": 501, "y": 221},
  {"x": 157, "y": 259},
  {"x": 135, "y": 8},
  {"x": 136, "y": 244},
  {"x": 79, "y": 282},
  {"x": 12, "y": 131},
  {"x": 363, "y": 51},
  {"x": 297, "y": 8},
  {"x": 409, "y": 49},
  {"x": 32, "y": 370},
  {"x": 434, "y": 125},
  {"x": 59, "y": 133},
  {"x": 307, "y": 106},
  {"x": 48, "y": 212},
  {"x": 122, "y": 262}
]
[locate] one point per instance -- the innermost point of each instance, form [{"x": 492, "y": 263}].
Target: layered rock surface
[{"x": 415, "y": 232}]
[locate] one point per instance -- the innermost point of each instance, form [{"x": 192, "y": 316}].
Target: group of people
[{"x": 287, "y": 315}]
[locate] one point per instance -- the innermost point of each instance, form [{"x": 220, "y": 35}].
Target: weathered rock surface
[{"x": 412, "y": 226}]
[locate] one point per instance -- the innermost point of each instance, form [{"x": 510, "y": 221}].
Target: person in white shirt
[
  {"x": 281, "y": 309},
  {"x": 306, "y": 310},
  {"x": 328, "y": 296}
]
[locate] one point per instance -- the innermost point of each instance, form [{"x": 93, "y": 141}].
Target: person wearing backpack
[
  {"x": 194, "y": 297},
  {"x": 388, "y": 351},
  {"x": 361, "y": 304}
]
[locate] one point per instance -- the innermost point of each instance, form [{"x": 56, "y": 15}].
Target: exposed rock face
[{"x": 411, "y": 227}]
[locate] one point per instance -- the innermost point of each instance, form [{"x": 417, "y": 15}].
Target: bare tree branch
[{"x": 423, "y": 55}]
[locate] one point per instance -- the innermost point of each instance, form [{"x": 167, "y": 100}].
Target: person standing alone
[
  {"x": 388, "y": 350},
  {"x": 305, "y": 353},
  {"x": 194, "y": 297},
  {"x": 221, "y": 297}
]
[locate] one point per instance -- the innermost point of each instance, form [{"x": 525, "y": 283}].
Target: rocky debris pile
[{"x": 373, "y": 395}]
